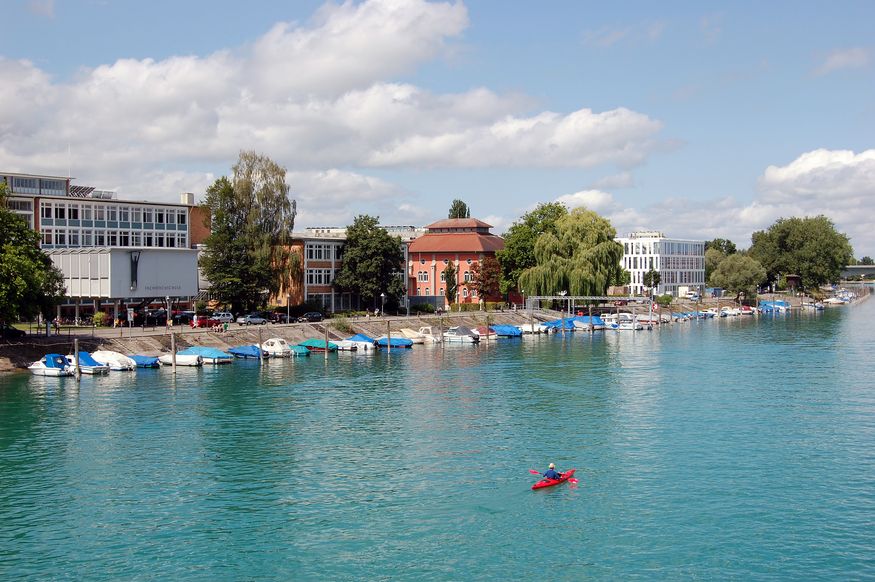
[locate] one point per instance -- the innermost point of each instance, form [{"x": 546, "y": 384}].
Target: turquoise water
[{"x": 732, "y": 449}]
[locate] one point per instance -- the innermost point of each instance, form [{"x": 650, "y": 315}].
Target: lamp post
[
  {"x": 288, "y": 308},
  {"x": 167, "y": 318},
  {"x": 563, "y": 294},
  {"x": 523, "y": 291},
  {"x": 382, "y": 304}
]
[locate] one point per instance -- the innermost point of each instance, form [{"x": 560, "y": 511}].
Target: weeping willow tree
[{"x": 581, "y": 257}]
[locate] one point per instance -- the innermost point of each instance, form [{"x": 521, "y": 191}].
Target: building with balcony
[{"x": 679, "y": 262}]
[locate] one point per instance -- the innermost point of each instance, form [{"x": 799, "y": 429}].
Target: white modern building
[{"x": 679, "y": 262}]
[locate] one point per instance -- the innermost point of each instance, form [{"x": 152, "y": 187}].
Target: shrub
[
  {"x": 100, "y": 319},
  {"x": 341, "y": 324},
  {"x": 422, "y": 308},
  {"x": 664, "y": 300}
]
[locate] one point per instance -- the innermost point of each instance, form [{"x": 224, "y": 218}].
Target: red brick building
[{"x": 463, "y": 241}]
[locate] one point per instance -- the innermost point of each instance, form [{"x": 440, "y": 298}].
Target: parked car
[
  {"x": 183, "y": 317},
  {"x": 223, "y": 317},
  {"x": 310, "y": 316},
  {"x": 251, "y": 319},
  {"x": 204, "y": 321},
  {"x": 277, "y": 317},
  {"x": 9, "y": 332}
]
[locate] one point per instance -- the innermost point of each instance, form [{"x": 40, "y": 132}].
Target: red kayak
[{"x": 550, "y": 482}]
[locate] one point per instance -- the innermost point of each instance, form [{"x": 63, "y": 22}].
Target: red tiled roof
[
  {"x": 459, "y": 223},
  {"x": 451, "y": 242}
]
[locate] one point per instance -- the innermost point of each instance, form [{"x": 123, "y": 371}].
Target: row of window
[
  {"x": 465, "y": 292},
  {"x": 422, "y": 276},
  {"x": 63, "y": 237},
  {"x": 446, "y": 261},
  {"x": 39, "y": 186},
  {"x": 632, "y": 263},
  {"x": 664, "y": 247},
  {"x": 320, "y": 276},
  {"x": 324, "y": 251},
  {"x": 112, "y": 212}
]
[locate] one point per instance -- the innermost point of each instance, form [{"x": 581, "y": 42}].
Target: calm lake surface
[{"x": 741, "y": 448}]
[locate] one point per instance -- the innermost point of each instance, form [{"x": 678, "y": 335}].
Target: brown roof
[
  {"x": 451, "y": 242},
  {"x": 459, "y": 223}
]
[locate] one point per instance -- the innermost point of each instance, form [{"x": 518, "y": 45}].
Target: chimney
[{"x": 186, "y": 198}]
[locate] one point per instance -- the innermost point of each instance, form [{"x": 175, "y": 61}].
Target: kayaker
[{"x": 551, "y": 473}]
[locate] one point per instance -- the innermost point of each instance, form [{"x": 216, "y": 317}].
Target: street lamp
[
  {"x": 382, "y": 304},
  {"x": 563, "y": 294},
  {"x": 167, "y": 318},
  {"x": 288, "y": 308},
  {"x": 523, "y": 291}
]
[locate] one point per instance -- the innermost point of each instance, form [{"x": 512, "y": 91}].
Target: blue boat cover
[
  {"x": 146, "y": 361},
  {"x": 568, "y": 322},
  {"x": 85, "y": 359},
  {"x": 395, "y": 342},
  {"x": 55, "y": 361},
  {"x": 507, "y": 330},
  {"x": 251, "y": 351},
  {"x": 360, "y": 337},
  {"x": 300, "y": 351},
  {"x": 206, "y": 353}
]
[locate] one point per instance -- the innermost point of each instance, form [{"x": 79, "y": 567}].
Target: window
[
  {"x": 180, "y": 217},
  {"x": 147, "y": 215},
  {"x": 159, "y": 239},
  {"x": 124, "y": 239},
  {"x": 180, "y": 240},
  {"x": 171, "y": 240},
  {"x": 74, "y": 212},
  {"x": 421, "y": 261},
  {"x": 113, "y": 238},
  {"x": 442, "y": 291},
  {"x": 443, "y": 277},
  {"x": 86, "y": 212},
  {"x": 464, "y": 292},
  {"x": 124, "y": 214},
  {"x": 112, "y": 212},
  {"x": 147, "y": 239},
  {"x": 99, "y": 212},
  {"x": 467, "y": 276},
  {"x": 74, "y": 238},
  {"x": 446, "y": 262},
  {"x": 54, "y": 187},
  {"x": 100, "y": 238},
  {"x": 136, "y": 239},
  {"x": 21, "y": 205},
  {"x": 473, "y": 292},
  {"x": 87, "y": 239},
  {"x": 422, "y": 276},
  {"x": 136, "y": 215},
  {"x": 25, "y": 185},
  {"x": 45, "y": 210},
  {"x": 60, "y": 211},
  {"x": 468, "y": 261},
  {"x": 159, "y": 216},
  {"x": 47, "y": 237}
]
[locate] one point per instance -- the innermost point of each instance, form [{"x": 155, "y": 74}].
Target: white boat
[
  {"x": 622, "y": 322},
  {"x": 51, "y": 365},
  {"x": 87, "y": 364},
  {"x": 365, "y": 344},
  {"x": 528, "y": 328},
  {"x": 412, "y": 335},
  {"x": 181, "y": 359},
  {"x": 346, "y": 345},
  {"x": 461, "y": 334},
  {"x": 730, "y": 311},
  {"x": 117, "y": 362},
  {"x": 277, "y": 347},
  {"x": 834, "y": 301}
]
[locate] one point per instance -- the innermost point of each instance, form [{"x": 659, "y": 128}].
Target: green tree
[
  {"x": 452, "y": 286},
  {"x": 459, "y": 209},
  {"x": 29, "y": 281},
  {"x": 739, "y": 274},
  {"x": 582, "y": 257},
  {"x": 867, "y": 260},
  {"x": 372, "y": 262},
  {"x": 519, "y": 242},
  {"x": 651, "y": 279},
  {"x": 713, "y": 257},
  {"x": 809, "y": 247},
  {"x": 725, "y": 246},
  {"x": 248, "y": 253},
  {"x": 486, "y": 277}
]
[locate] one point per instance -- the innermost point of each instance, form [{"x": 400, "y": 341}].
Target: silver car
[{"x": 251, "y": 319}]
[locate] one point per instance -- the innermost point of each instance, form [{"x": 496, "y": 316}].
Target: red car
[{"x": 204, "y": 321}]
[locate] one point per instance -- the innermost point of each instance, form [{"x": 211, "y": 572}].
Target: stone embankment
[{"x": 21, "y": 353}]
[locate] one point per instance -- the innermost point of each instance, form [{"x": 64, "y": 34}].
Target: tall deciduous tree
[
  {"x": 29, "y": 281},
  {"x": 452, "y": 286},
  {"x": 809, "y": 247},
  {"x": 519, "y": 242},
  {"x": 459, "y": 209},
  {"x": 725, "y": 246},
  {"x": 372, "y": 262},
  {"x": 739, "y": 274},
  {"x": 713, "y": 257},
  {"x": 582, "y": 257},
  {"x": 487, "y": 277},
  {"x": 248, "y": 253},
  {"x": 867, "y": 260}
]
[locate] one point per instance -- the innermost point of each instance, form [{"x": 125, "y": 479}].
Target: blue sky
[{"x": 692, "y": 118}]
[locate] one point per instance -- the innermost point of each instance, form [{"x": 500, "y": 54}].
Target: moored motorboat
[
  {"x": 277, "y": 347},
  {"x": 209, "y": 355},
  {"x": 87, "y": 364},
  {"x": 117, "y": 362},
  {"x": 461, "y": 334},
  {"x": 191, "y": 360},
  {"x": 362, "y": 342},
  {"x": 318, "y": 345},
  {"x": 251, "y": 351},
  {"x": 146, "y": 361},
  {"x": 507, "y": 331},
  {"x": 412, "y": 335},
  {"x": 395, "y": 342},
  {"x": 346, "y": 345},
  {"x": 51, "y": 365}
]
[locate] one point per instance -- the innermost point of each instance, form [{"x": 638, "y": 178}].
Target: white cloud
[
  {"x": 615, "y": 181},
  {"x": 838, "y": 184},
  {"x": 853, "y": 58},
  {"x": 314, "y": 96},
  {"x": 606, "y": 37}
]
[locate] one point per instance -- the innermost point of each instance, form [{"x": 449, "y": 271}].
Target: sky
[{"x": 700, "y": 120}]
